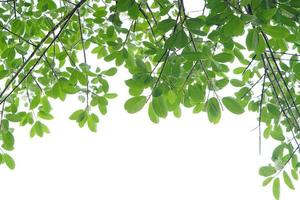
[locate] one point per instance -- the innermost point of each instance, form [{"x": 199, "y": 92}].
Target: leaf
[
  {"x": 124, "y": 5},
  {"x": 296, "y": 70},
  {"x": 267, "y": 171},
  {"x": 277, "y": 133},
  {"x": 133, "y": 12},
  {"x": 276, "y": 188},
  {"x": 181, "y": 39},
  {"x": 110, "y": 72},
  {"x": 44, "y": 5},
  {"x": 82, "y": 118},
  {"x": 159, "y": 106},
  {"x": 38, "y": 129},
  {"x": 135, "y": 104},
  {"x": 213, "y": 110},
  {"x": 177, "y": 112},
  {"x": 237, "y": 83},
  {"x": 75, "y": 115},
  {"x": 92, "y": 122},
  {"x": 193, "y": 56},
  {"x": 223, "y": 57},
  {"x": 8, "y": 140},
  {"x": 35, "y": 102},
  {"x": 165, "y": 25},
  {"x": 288, "y": 180},
  {"x": 233, "y": 105},
  {"x": 234, "y": 27},
  {"x": 9, "y": 161},
  {"x": 245, "y": 2},
  {"x": 294, "y": 174},
  {"x": 45, "y": 115},
  {"x": 152, "y": 115},
  {"x": 252, "y": 39},
  {"x": 196, "y": 92},
  {"x": 276, "y": 31},
  {"x": 194, "y": 23},
  {"x": 267, "y": 181},
  {"x": 273, "y": 109},
  {"x": 261, "y": 45},
  {"x": 295, "y": 3},
  {"x": 277, "y": 152},
  {"x": 110, "y": 95}
]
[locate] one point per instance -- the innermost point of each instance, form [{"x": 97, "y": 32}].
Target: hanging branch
[
  {"x": 260, "y": 109},
  {"x": 63, "y": 22},
  {"x": 252, "y": 86},
  {"x": 84, "y": 58},
  {"x": 200, "y": 61},
  {"x": 263, "y": 56},
  {"x": 249, "y": 65},
  {"x": 281, "y": 91},
  {"x": 279, "y": 71}
]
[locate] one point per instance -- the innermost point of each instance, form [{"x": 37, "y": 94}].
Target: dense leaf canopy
[{"x": 175, "y": 60}]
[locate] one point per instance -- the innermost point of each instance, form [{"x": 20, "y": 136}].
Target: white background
[{"x": 132, "y": 158}]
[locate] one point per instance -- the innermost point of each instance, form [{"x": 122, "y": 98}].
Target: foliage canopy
[{"x": 176, "y": 60}]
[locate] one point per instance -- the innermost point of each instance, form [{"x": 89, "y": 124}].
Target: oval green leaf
[
  {"x": 135, "y": 104},
  {"x": 233, "y": 105}
]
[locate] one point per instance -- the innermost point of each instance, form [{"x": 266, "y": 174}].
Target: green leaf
[
  {"x": 273, "y": 109},
  {"x": 194, "y": 23},
  {"x": 18, "y": 26},
  {"x": 261, "y": 45},
  {"x": 75, "y": 115},
  {"x": 252, "y": 39},
  {"x": 45, "y": 115},
  {"x": 295, "y": 3},
  {"x": 181, "y": 39},
  {"x": 134, "y": 12},
  {"x": 193, "y": 56},
  {"x": 276, "y": 31},
  {"x": 135, "y": 104},
  {"x": 35, "y": 102},
  {"x": 124, "y": 5},
  {"x": 267, "y": 171},
  {"x": 8, "y": 140},
  {"x": 277, "y": 133},
  {"x": 296, "y": 70},
  {"x": 165, "y": 25},
  {"x": 38, "y": 129},
  {"x": 245, "y": 2},
  {"x": 233, "y": 105},
  {"x": 237, "y": 83},
  {"x": 177, "y": 112},
  {"x": 9, "y": 161},
  {"x": 267, "y": 181},
  {"x": 110, "y": 95},
  {"x": 277, "y": 152},
  {"x": 196, "y": 92},
  {"x": 160, "y": 106},
  {"x": 223, "y": 57},
  {"x": 44, "y": 5},
  {"x": 110, "y": 72},
  {"x": 152, "y": 115},
  {"x": 82, "y": 119},
  {"x": 92, "y": 122},
  {"x": 288, "y": 180},
  {"x": 294, "y": 174},
  {"x": 276, "y": 188},
  {"x": 213, "y": 110},
  {"x": 234, "y": 27}
]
